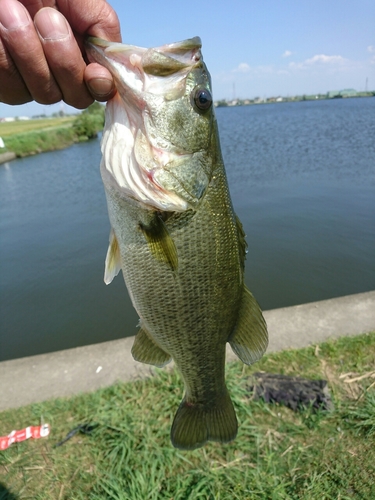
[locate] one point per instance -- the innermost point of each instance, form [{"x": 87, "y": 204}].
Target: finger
[
  {"x": 34, "y": 5},
  {"x": 22, "y": 43},
  {"x": 12, "y": 89},
  {"x": 92, "y": 17},
  {"x": 64, "y": 56},
  {"x": 99, "y": 82}
]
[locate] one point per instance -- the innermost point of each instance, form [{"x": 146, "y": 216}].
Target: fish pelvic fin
[
  {"x": 160, "y": 242},
  {"x": 195, "y": 424},
  {"x": 145, "y": 350},
  {"x": 249, "y": 340},
  {"x": 112, "y": 260}
]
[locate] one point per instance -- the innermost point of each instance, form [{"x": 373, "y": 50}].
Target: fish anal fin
[
  {"x": 250, "y": 338},
  {"x": 112, "y": 260},
  {"x": 160, "y": 242},
  {"x": 147, "y": 351},
  {"x": 195, "y": 424}
]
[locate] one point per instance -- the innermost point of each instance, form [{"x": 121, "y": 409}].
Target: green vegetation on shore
[
  {"x": 347, "y": 93},
  {"x": 278, "y": 454},
  {"x": 35, "y": 136}
]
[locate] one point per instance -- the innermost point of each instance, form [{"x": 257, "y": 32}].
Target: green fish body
[{"x": 174, "y": 233}]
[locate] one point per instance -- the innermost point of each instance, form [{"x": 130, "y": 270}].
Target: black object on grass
[{"x": 294, "y": 392}]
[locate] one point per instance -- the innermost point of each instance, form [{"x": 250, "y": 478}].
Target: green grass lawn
[
  {"x": 29, "y": 137},
  {"x": 8, "y": 129},
  {"x": 278, "y": 454},
  {"x": 35, "y": 136}
]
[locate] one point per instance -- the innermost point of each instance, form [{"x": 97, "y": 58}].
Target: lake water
[{"x": 302, "y": 179}]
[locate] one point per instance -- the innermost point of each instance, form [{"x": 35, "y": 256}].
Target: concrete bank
[
  {"x": 8, "y": 156},
  {"x": 84, "y": 369}
]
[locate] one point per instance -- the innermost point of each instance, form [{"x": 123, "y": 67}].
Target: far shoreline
[
  {"x": 30, "y": 143},
  {"x": 27, "y": 137}
]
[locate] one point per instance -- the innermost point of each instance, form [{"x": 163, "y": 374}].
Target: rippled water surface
[{"x": 302, "y": 179}]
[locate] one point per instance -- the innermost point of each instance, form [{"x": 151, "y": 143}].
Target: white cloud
[
  {"x": 317, "y": 74},
  {"x": 322, "y": 58},
  {"x": 253, "y": 71},
  {"x": 321, "y": 61},
  {"x": 371, "y": 49},
  {"x": 287, "y": 53},
  {"x": 242, "y": 68}
]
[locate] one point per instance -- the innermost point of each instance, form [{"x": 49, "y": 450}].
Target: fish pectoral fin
[
  {"x": 242, "y": 242},
  {"x": 195, "y": 424},
  {"x": 160, "y": 242},
  {"x": 250, "y": 338},
  {"x": 112, "y": 260},
  {"x": 147, "y": 351}
]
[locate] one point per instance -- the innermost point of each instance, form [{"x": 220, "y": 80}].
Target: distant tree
[
  {"x": 89, "y": 122},
  {"x": 86, "y": 126},
  {"x": 95, "y": 108}
]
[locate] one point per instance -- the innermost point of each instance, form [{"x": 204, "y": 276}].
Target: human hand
[{"x": 41, "y": 45}]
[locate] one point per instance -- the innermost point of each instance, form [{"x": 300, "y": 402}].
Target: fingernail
[
  {"x": 100, "y": 86},
  {"x": 51, "y": 25},
  {"x": 13, "y": 15}
]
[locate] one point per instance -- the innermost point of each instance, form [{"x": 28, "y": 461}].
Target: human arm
[{"x": 41, "y": 51}]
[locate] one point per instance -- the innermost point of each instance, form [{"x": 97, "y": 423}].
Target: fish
[{"x": 174, "y": 233}]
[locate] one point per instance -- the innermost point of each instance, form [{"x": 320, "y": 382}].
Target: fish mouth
[
  {"x": 135, "y": 157},
  {"x": 131, "y": 65},
  {"x": 138, "y": 71}
]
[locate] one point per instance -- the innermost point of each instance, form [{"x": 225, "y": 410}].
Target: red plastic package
[{"x": 35, "y": 432}]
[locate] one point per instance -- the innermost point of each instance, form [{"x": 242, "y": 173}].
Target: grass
[
  {"x": 32, "y": 143},
  {"x": 30, "y": 137},
  {"x": 278, "y": 454},
  {"x": 8, "y": 129}
]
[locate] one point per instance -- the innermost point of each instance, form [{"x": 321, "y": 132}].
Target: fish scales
[
  {"x": 174, "y": 233},
  {"x": 204, "y": 304}
]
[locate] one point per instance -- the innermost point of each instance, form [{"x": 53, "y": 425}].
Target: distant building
[
  {"x": 348, "y": 93},
  {"x": 334, "y": 94}
]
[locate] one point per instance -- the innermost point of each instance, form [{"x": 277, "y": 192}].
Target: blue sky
[{"x": 258, "y": 48}]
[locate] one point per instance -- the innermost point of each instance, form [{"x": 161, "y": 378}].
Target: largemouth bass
[{"x": 174, "y": 233}]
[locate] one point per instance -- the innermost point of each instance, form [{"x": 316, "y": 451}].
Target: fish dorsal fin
[
  {"x": 250, "y": 338},
  {"x": 147, "y": 351},
  {"x": 160, "y": 242},
  {"x": 112, "y": 260}
]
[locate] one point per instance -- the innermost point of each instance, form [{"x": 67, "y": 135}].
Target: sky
[{"x": 257, "y": 48}]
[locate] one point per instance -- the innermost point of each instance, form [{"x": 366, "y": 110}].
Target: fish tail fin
[{"x": 195, "y": 424}]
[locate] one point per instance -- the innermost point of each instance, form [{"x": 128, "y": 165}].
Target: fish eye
[{"x": 202, "y": 98}]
